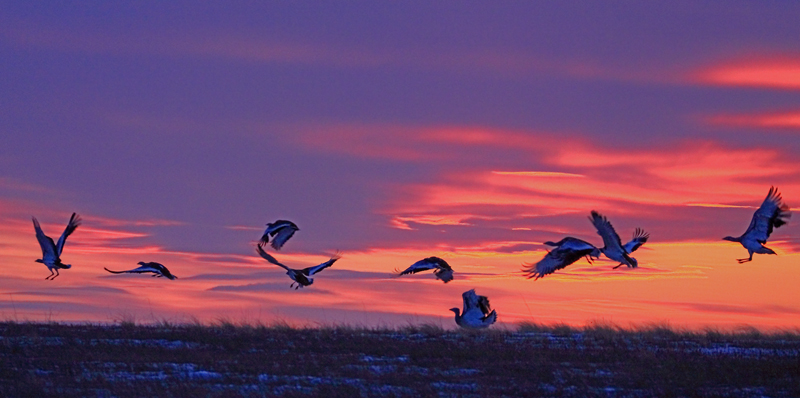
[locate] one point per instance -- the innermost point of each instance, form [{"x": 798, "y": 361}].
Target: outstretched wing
[
  {"x": 772, "y": 214},
  {"x": 269, "y": 258},
  {"x": 46, "y": 243},
  {"x": 139, "y": 270},
  {"x": 557, "y": 259},
  {"x": 426, "y": 264},
  {"x": 470, "y": 299},
  {"x": 313, "y": 270},
  {"x": 639, "y": 238},
  {"x": 74, "y": 222},
  {"x": 606, "y": 231},
  {"x": 483, "y": 304}
]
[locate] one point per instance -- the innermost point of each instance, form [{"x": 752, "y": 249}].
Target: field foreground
[{"x": 227, "y": 360}]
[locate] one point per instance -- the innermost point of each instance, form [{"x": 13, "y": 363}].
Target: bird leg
[
  {"x": 57, "y": 274},
  {"x": 619, "y": 265},
  {"x": 292, "y": 285},
  {"x": 51, "y": 274},
  {"x": 744, "y": 260}
]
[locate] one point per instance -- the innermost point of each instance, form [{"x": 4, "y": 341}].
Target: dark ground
[{"x": 231, "y": 361}]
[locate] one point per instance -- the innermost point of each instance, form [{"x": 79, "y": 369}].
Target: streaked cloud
[
  {"x": 778, "y": 120},
  {"x": 537, "y": 174},
  {"x": 260, "y": 48},
  {"x": 777, "y": 73},
  {"x": 719, "y": 205}
]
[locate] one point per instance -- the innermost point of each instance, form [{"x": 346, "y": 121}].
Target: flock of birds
[{"x": 476, "y": 312}]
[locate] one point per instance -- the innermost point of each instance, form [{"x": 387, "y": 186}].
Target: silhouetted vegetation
[{"x": 226, "y": 359}]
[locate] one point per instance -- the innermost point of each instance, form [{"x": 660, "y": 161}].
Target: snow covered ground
[{"x": 106, "y": 361}]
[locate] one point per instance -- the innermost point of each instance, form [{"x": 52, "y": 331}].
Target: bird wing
[
  {"x": 139, "y": 270},
  {"x": 46, "y": 243},
  {"x": 281, "y": 236},
  {"x": 421, "y": 265},
  {"x": 639, "y": 238},
  {"x": 313, "y": 270},
  {"x": 606, "y": 231},
  {"x": 158, "y": 267},
  {"x": 483, "y": 304},
  {"x": 269, "y": 258},
  {"x": 470, "y": 299},
  {"x": 74, "y": 222},
  {"x": 555, "y": 260},
  {"x": 770, "y": 215},
  {"x": 490, "y": 318}
]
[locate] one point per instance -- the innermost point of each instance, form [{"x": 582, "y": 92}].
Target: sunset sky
[{"x": 391, "y": 132}]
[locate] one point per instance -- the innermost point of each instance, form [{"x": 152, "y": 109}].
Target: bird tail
[
  {"x": 765, "y": 250},
  {"x": 631, "y": 261},
  {"x": 491, "y": 318}
]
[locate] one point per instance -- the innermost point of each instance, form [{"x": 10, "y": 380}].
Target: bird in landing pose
[
  {"x": 302, "y": 277},
  {"x": 157, "y": 269},
  {"x": 566, "y": 252},
  {"x": 772, "y": 214},
  {"x": 51, "y": 252},
  {"x": 613, "y": 247},
  {"x": 279, "y": 232},
  {"x": 477, "y": 312},
  {"x": 442, "y": 271}
]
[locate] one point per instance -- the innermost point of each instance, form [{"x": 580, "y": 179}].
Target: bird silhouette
[
  {"x": 772, "y": 214},
  {"x": 613, "y": 248},
  {"x": 301, "y": 277},
  {"x": 566, "y": 252},
  {"x": 278, "y": 232},
  {"x": 442, "y": 271},
  {"x": 477, "y": 313},
  {"x": 157, "y": 269},
  {"x": 51, "y": 252}
]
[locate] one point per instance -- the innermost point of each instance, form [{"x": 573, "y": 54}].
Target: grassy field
[{"x": 224, "y": 360}]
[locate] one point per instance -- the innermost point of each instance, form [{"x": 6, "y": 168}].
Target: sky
[{"x": 391, "y": 132}]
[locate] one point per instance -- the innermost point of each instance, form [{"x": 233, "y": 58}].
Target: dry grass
[{"x": 236, "y": 359}]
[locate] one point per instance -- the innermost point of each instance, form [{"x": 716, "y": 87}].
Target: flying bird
[
  {"x": 613, "y": 248},
  {"x": 772, "y": 214},
  {"x": 477, "y": 313},
  {"x": 157, "y": 269},
  {"x": 51, "y": 252},
  {"x": 302, "y": 277},
  {"x": 566, "y": 252},
  {"x": 442, "y": 271},
  {"x": 279, "y": 232}
]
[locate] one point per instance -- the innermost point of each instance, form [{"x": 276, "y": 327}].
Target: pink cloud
[
  {"x": 779, "y": 120},
  {"x": 699, "y": 173},
  {"x": 573, "y": 173},
  {"x": 774, "y": 73}
]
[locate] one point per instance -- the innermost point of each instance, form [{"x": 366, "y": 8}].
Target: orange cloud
[
  {"x": 700, "y": 174},
  {"x": 777, "y": 73}
]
